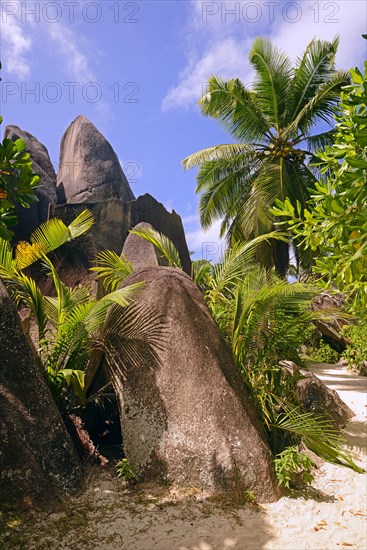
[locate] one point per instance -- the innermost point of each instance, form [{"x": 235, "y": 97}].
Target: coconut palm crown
[{"x": 272, "y": 124}]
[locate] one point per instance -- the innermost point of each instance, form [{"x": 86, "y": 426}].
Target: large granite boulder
[
  {"x": 140, "y": 252},
  {"x": 185, "y": 416},
  {"x": 89, "y": 170},
  {"x": 318, "y": 398},
  {"x": 114, "y": 219},
  {"x": 147, "y": 209},
  {"x": 331, "y": 330},
  {"x": 315, "y": 395},
  {"x": 38, "y": 461},
  {"x": 30, "y": 218}
]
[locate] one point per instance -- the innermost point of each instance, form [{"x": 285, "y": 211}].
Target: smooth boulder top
[
  {"x": 140, "y": 252},
  {"x": 89, "y": 169},
  {"x": 185, "y": 415}
]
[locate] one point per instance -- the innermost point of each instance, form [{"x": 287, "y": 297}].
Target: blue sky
[{"x": 136, "y": 69}]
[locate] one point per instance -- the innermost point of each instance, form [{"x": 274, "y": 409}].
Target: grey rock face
[
  {"x": 331, "y": 330},
  {"x": 89, "y": 171},
  {"x": 185, "y": 416},
  {"x": 38, "y": 461},
  {"x": 114, "y": 219},
  {"x": 318, "y": 398},
  {"x": 139, "y": 252},
  {"x": 147, "y": 209},
  {"x": 30, "y": 218},
  {"x": 315, "y": 394}
]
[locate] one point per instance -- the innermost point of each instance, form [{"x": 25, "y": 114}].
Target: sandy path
[
  {"x": 108, "y": 517},
  {"x": 299, "y": 524}
]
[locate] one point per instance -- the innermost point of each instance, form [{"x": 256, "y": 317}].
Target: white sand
[{"x": 333, "y": 516}]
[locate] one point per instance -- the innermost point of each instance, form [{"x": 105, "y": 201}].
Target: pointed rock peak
[
  {"x": 90, "y": 170},
  {"x": 42, "y": 164}
]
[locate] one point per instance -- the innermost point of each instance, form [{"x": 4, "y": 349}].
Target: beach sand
[{"x": 109, "y": 516}]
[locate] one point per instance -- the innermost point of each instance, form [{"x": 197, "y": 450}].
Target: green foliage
[
  {"x": 292, "y": 464},
  {"x": 249, "y": 497},
  {"x": 17, "y": 183},
  {"x": 334, "y": 224},
  {"x": 323, "y": 353},
  {"x": 163, "y": 244},
  {"x": 124, "y": 470},
  {"x": 72, "y": 324},
  {"x": 271, "y": 124},
  {"x": 356, "y": 353},
  {"x": 112, "y": 269}
]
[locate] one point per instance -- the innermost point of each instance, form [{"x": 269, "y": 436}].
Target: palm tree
[{"x": 272, "y": 124}]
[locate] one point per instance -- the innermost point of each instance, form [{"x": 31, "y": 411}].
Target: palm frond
[
  {"x": 121, "y": 297},
  {"x": 52, "y": 234},
  {"x": 112, "y": 269},
  {"x": 315, "y": 66},
  {"x": 319, "y": 436},
  {"x": 273, "y": 79},
  {"x": 224, "y": 184},
  {"x": 236, "y": 262},
  {"x": 320, "y": 141},
  {"x": 131, "y": 333},
  {"x": 218, "y": 152},
  {"x": 7, "y": 265},
  {"x": 320, "y": 107},
  {"x": 163, "y": 244},
  {"x": 24, "y": 289},
  {"x": 236, "y": 108},
  {"x": 201, "y": 273}
]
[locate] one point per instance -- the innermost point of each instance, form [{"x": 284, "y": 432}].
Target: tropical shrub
[
  {"x": 334, "y": 225},
  {"x": 321, "y": 352},
  {"x": 71, "y": 325},
  {"x": 293, "y": 467},
  {"x": 356, "y": 353},
  {"x": 17, "y": 183}
]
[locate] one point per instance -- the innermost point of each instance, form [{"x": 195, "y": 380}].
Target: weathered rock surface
[
  {"x": 185, "y": 416},
  {"x": 318, "y": 398},
  {"x": 89, "y": 169},
  {"x": 114, "y": 219},
  {"x": 30, "y": 218},
  {"x": 147, "y": 209},
  {"x": 37, "y": 458},
  {"x": 331, "y": 330},
  {"x": 140, "y": 252}
]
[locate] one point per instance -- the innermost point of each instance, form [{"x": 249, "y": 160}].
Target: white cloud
[
  {"x": 324, "y": 20},
  {"x": 16, "y": 46},
  {"x": 207, "y": 245},
  {"x": 76, "y": 62},
  {"x": 20, "y": 33},
  {"x": 219, "y": 36},
  {"x": 226, "y": 58}
]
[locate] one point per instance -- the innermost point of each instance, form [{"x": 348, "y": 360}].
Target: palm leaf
[
  {"x": 272, "y": 81},
  {"x": 320, "y": 107},
  {"x": 53, "y": 233},
  {"x": 163, "y": 244},
  {"x": 112, "y": 269},
  {"x": 315, "y": 66},
  {"x": 236, "y": 108},
  {"x": 218, "y": 152},
  {"x": 318, "y": 435}
]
